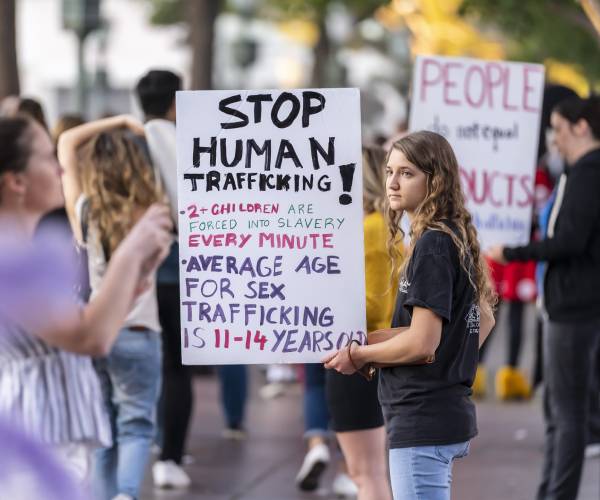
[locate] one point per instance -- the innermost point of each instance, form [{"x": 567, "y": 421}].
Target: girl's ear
[{"x": 12, "y": 185}]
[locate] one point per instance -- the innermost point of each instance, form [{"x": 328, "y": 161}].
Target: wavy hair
[
  {"x": 444, "y": 201},
  {"x": 117, "y": 179}
]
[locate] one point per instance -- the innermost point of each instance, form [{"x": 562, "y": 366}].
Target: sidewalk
[{"x": 504, "y": 463}]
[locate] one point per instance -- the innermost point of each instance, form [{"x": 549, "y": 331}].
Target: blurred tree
[
  {"x": 592, "y": 10},
  {"x": 316, "y": 11},
  {"x": 200, "y": 17},
  {"x": 553, "y": 29},
  {"x": 9, "y": 71},
  {"x": 436, "y": 27}
]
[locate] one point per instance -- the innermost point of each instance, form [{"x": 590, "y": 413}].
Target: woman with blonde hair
[
  {"x": 108, "y": 184},
  {"x": 443, "y": 314},
  {"x": 353, "y": 405}
]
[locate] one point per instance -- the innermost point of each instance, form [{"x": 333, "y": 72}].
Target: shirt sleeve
[
  {"x": 377, "y": 281},
  {"x": 432, "y": 275},
  {"x": 162, "y": 144},
  {"x": 578, "y": 218},
  {"x": 378, "y": 286}
]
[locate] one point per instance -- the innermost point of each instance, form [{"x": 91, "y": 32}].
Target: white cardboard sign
[
  {"x": 490, "y": 113},
  {"x": 270, "y": 224}
]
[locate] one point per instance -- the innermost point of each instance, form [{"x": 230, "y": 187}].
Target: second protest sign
[{"x": 489, "y": 111}]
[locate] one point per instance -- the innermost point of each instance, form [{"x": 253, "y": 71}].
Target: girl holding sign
[
  {"x": 443, "y": 314},
  {"x": 355, "y": 411},
  {"x": 108, "y": 184}
]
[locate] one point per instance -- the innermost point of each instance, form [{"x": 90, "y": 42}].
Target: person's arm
[
  {"x": 68, "y": 144},
  {"x": 416, "y": 343},
  {"x": 579, "y": 215},
  {"x": 486, "y": 322},
  {"x": 429, "y": 287},
  {"x": 93, "y": 329}
]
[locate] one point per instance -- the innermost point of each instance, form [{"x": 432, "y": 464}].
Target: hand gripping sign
[{"x": 270, "y": 224}]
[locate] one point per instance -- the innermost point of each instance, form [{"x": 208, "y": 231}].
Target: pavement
[{"x": 504, "y": 463}]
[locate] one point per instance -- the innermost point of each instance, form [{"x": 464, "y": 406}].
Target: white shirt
[{"x": 162, "y": 144}]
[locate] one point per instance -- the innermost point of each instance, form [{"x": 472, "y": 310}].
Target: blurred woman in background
[
  {"x": 108, "y": 185},
  {"x": 47, "y": 381}
]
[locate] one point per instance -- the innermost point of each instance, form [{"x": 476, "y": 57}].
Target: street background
[{"x": 504, "y": 463}]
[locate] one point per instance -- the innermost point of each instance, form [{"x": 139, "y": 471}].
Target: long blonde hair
[
  {"x": 444, "y": 201},
  {"x": 117, "y": 180}
]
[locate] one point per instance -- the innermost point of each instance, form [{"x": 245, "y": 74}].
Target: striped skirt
[{"x": 54, "y": 396}]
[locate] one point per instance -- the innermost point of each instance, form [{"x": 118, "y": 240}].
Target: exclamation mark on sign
[{"x": 347, "y": 173}]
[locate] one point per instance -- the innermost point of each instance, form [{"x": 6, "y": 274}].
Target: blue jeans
[
  {"x": 424, "y": 472},
  {"x": 130, "y": 380},
  {"x": 316, "y": 414},
  {"x": 234, "y": 393}
]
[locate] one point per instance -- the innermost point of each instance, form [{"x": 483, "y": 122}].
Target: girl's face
[
  {"x": 406, "y": 184},
  {"x": 43, "y": 191}
]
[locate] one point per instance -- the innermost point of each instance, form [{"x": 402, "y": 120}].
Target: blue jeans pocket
[
  {"x": 134, "y": 365},
  {"x": 135, "y": 345},
  {"x": 449, "y": 452}
]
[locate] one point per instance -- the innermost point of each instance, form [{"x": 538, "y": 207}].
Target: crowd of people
[{"x": 100, "y": 382}]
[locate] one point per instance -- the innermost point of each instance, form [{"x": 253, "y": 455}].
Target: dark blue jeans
[
  {"x": 234, "y": 393},
  {"x": 571, "y": 353},
  {"x": 316, "y": 413}
]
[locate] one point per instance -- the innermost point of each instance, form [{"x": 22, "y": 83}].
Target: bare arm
[
  {"x": 93, "y": 329},
  {"x": 68, "y": 144},
  {"x": 419, "y": 341},
  {"x": 486, "y": 322},
  {"x": 416, "y": 343}
]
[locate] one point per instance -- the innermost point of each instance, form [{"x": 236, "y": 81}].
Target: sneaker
[
  {"x": 344, "y": 487},
  {"x": 313, "y": 466},
  {"x": 592, "y": 450},
  {"x": 123, "y": 496},
  {"x": 168, "y": 474},
  {"x": 234, "y": 433},
  {"x": 281, "y": 374},
  {"x": 272, "y": 390}
]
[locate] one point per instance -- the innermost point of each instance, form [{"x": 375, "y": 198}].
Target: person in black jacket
[{"x": 571, "y": 296}]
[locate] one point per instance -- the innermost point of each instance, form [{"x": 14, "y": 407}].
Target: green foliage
[
  {"x": 316, "y": 9},
  {"x": 165, "y": 12},
  {"x": 538, "y": 30}
]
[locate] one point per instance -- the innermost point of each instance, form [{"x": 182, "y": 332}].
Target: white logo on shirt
[
  {"x": 404, "y": 284},
  {"x": 472, "y": 320}
]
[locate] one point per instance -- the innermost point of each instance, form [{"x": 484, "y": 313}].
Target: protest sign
[
  {"x": 270, "y": 224},
  {"x": 490, "y": 113}
]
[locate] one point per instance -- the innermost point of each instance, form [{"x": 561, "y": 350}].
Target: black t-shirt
[{"x": 430, "y": 404}]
